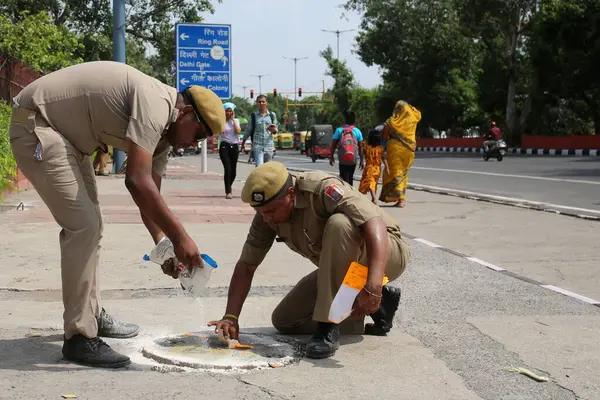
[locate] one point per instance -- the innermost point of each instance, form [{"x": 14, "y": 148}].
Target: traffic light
[
  {"x": 251, "y": 93},
  {"x": 299, "y": 92},
  {"x": 274, "y": 92}
]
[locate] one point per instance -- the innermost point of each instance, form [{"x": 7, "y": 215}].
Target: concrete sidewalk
[{"x": 459, "y": 324}]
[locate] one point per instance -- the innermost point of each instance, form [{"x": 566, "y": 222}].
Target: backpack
[
  {"x": 253, "y": 123},
  {"x": 348, "y": 147}
]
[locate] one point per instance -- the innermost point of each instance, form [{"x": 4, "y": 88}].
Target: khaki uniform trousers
[
  {"x": 310, "y": 300},
  {"x": 64, "y": 179}
]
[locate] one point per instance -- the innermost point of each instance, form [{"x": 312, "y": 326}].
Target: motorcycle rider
[{"x": 492, "y": 137}]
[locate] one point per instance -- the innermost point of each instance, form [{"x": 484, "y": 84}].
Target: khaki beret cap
[
  {"x": 265, "y": 183},
  {"x": 209, "y": 107}
]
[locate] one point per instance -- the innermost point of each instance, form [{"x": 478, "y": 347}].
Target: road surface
[{"x": 563, "y": 181}]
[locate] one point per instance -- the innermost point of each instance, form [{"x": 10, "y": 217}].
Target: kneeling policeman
[{"x": 322, "y": 218}]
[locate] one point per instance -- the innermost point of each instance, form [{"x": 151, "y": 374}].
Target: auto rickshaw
[
  {"x": 319, "y": 144},
  {"x": 285, "y": 140}
]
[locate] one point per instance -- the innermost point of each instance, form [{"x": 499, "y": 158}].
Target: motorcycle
[{"x": 497, "y": 150}]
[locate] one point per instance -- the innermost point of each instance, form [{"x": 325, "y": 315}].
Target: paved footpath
[{"x": 460, "y": 324}]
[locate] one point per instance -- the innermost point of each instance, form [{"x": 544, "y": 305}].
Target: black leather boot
[
  {"x": 110, "y": 328},
  {"x": 384, "y": 317},
  {"x": 93, "y": 353},
  {"x": 324, "y": 342}
]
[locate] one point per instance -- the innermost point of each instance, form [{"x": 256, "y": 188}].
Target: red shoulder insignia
[{"x": 334, "y": 192}]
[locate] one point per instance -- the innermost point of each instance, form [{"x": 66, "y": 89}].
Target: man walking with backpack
[
  {"x": 261, "y": 128},
  {"x": 347, "y": 139}
]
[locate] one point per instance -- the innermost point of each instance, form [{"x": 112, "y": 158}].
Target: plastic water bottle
[{"x": 192, "y": 279}]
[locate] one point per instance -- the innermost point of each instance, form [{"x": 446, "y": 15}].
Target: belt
[{"x": 20, "y": 115}]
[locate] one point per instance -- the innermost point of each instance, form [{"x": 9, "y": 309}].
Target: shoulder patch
[{"x": 334, "y": 192}]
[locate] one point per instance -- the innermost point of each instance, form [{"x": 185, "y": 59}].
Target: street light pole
[
  {"x": 244, "y": 87},
  {"x": 338, "y": 33},
  {"x": 118, "y": 46},
  {"x": 295, "y": 59},
  {"x": 260, "y": 81}
]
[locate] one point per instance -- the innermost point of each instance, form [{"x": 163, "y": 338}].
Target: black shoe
[
  {"x": 93, "y": 353},
  {"x": 108, "y": 327},
  {"x": 325, "y": 342},
  {"x": 384, "y": 317}
]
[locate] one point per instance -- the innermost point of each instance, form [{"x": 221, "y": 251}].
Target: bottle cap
[
  {"x": 146, "y": 257},
  {"x": 209, "y": 261}
]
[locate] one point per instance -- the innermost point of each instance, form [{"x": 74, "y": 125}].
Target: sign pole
[
  {"x": 119, "y": 56},
  {"x": 204, "y": 157}
]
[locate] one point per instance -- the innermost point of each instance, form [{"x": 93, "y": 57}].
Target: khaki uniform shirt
[
  {"x": 104, "y": 103},
  {"x": 318, "y": 196}
]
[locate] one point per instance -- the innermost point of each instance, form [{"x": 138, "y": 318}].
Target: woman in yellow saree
[{"x": 399, "y": 135}]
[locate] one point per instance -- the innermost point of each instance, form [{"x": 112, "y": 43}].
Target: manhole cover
[{"x": 203, "y": 350}]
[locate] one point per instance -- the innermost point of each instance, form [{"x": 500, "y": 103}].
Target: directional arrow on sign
[
  {"x": 184, "y": 81},
  {"x": 183, "y": 36},
  {"x": 224, "y": 59}
]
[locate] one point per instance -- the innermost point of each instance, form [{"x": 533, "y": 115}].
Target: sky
[{"x": 265, "y": 31}]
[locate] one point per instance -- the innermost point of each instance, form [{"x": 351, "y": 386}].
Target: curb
[
  {"x": 507, "y": 201},
  {"x": 515, "y": 151},
  {"x": 503, "y": 271}
]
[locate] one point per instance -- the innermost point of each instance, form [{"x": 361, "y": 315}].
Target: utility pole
[
  {"x": 338, "y": 33},
  {"x": 118, "y": 48},
  {"x": 244, "y": 87},
  {"x": 295, "y": 59},
  {"x": 260, "y": 81}
]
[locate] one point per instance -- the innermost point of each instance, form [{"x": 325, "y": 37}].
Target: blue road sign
[{"x": 204, "y": 57}]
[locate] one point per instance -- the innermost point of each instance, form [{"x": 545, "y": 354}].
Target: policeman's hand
[
  {"x": 331, "y": 161},
  {"x": 172, "y": 268},
  {"x": 366, "y": 303},
  {"x": 230, "y": 327},
  {"x": 187, "y": 252}
]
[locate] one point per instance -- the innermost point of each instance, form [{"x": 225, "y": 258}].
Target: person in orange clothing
[
  {"x": 374, "y": 156},
  {"x": 101, "y": 161}
]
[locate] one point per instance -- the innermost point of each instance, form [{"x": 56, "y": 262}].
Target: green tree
[
  {"x": 149, "y": 25},
  {"x": 363, "y": 105},
  {"x": 502, "y": 27},
  {"x": 424, "y": 59},
  {"x": 343, "y": 79},
  {"x": 37, "y": 42},
  {"x": 243, "y": 107},
  {"x": 8, "y": 166},
  {"x": 309, "y": 115},
  {"x": 566, "y": 55}
]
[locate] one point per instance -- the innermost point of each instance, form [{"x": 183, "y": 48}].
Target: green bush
[{"x": 8, "y": 166}]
